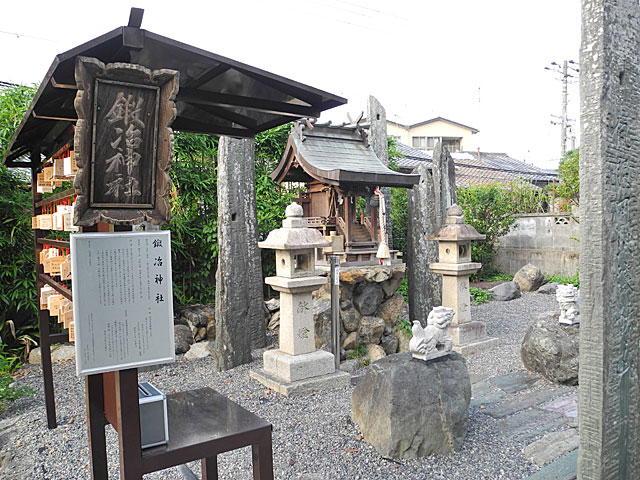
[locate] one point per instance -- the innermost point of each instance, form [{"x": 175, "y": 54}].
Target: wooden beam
[
  {"x": 198, "y": 97},
  {"x": 206, "y": 76},
  {"x": 312, "y": 99},
  {"x": 234, "y": 117},
  {"x": 65, "y": 86},
  {"x": 54, "y": 117},
  {"x": 61, "y": 289},
  {"x": 188, "y": 125},
  {"x": 135, "y": 17}
]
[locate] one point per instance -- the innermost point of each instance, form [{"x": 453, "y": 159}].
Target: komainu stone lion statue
[{"x": 432, "y": 341}]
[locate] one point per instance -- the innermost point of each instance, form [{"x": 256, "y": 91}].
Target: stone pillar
[
  {"x": 239, "y": 298},
  {"x": 377, "y": 118},
  {"x": 425, "y": 286},
  {"x": 609, "y": 372},
  {"x": 444, "y": 179}
]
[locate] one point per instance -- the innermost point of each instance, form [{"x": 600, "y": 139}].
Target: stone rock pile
[
  {"x": 192, "y": 324},
  {"x": 369, "y": 309}
]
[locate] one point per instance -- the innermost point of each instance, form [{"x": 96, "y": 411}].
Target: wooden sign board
[
  {"x": 123, "y": 143},
  {"x": 122, "y": 300}
]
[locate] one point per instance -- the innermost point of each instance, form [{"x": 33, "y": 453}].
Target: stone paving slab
[
  {"x": 551, "y": 446},
  {"x": 521, "y": 403},
  {"x": 515, "y": 382},
  {"x": 483, "y": 393},
  {"x": 523, "y": 422},
  {"x": 565, "y": 468},
  {"x": 547, "y": 427},
  {"x": 567, "y": 406}
]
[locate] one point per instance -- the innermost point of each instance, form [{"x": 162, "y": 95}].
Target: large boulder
[
  {"x": 548, "y": 288},
  {"x": 529, "y": 278},
  {"x": 367, "y": 298},
  {"x": 505, "y": 291},
  {"x": 552, "y": 349},
  {"x": 392, "y": 309},
  {"x": 183, "y": 338},
  {"x": 408, "y": 408}
]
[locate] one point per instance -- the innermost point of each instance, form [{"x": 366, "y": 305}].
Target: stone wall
[{"x": 548, "y": 241}]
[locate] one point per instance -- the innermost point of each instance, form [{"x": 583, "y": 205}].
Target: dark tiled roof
[
  {"x": 336, "y": 155},
  {"x": 473, "y": 170}
]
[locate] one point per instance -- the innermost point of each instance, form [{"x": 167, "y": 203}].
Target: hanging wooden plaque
[{"x": 123, "y": 143}]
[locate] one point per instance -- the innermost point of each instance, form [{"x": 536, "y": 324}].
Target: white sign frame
[{"x": 101, "y": 346}]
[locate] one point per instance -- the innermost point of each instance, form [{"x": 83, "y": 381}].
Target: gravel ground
[{"x": 313, "y": 436}]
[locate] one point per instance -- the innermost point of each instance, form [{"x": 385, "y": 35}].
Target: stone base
[
  {"x": 337, "y": 379},
  {"x": 468, "y": 332},
  {"x": 569, "y": 322},
  {"x": 477, "y": 346},
  {"x": 431, "y": 356},
  {"x": 292, "y": 368}
]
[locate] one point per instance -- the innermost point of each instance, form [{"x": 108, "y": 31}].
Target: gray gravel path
[{"x": 313, "y": 436}]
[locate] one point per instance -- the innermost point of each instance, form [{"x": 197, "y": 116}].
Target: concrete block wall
[{"x": 547, "y": 240}]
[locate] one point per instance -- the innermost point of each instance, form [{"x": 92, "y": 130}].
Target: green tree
[
  {"x": 14, "y": 102},
  {"x": 271, "y": 197},
  {"x": 488, "y": 208},
  {"x": 194, "y": 218},
  {"x": 17, "y": 271},
  {"x": 569, "y": 188},
  {"x": 399, "y": 205}
]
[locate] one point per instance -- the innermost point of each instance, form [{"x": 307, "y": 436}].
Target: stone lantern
[
  {"x": 297, "y": 367},
  {"x": 455, "y": 265}
]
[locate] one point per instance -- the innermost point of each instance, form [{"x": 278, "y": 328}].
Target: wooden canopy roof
[
  {"x": 217, "y": 95},
  {"x": 335, "y": 156}
]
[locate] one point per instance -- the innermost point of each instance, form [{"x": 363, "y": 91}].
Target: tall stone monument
[
  {"x": 425, "y": 286},
  {"x": 455, "y": 265},
  {"x": 239, "y": 297},
  {"x": 609, "y": 373},
  {"x": 377, "y": 118},
  {"x": 297, "y": 367},
  {"x": 444, "y": 180}
]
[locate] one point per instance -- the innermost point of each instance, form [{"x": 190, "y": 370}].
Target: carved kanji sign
[{"x": 123, "y": 142}]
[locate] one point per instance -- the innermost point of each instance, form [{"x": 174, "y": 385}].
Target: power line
[{"x": 24, "y": 35}]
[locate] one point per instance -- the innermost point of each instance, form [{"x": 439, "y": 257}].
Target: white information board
[{"x": 122, "y": 300}]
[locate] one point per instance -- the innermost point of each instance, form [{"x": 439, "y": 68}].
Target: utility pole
[
  {"x": 565, "y": 76},
  {"x": 563, "y": 127}
]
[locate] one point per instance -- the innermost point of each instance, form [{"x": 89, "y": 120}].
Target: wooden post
[
  {"x": 128, "y": 414},
  {"x": 96, "y": 421},
  {"x": 43, "y": 314}
]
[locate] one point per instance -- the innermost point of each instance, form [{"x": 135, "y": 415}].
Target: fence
[{"x": 547, "y": 240}]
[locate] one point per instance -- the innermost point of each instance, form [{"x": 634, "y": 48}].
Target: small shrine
[{"x": 342, "y": 198}]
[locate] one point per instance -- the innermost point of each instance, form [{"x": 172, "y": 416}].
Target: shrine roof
[
  {"x": 217, "y": 95},
  {"x": 335, "y": 155}
]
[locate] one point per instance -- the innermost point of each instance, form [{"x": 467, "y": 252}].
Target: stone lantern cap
[
  {"x": 294, "y": 234},
  {"x": 454, "y": 229}
]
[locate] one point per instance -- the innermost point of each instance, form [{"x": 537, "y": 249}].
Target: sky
[{"x": 479, "y": 63}]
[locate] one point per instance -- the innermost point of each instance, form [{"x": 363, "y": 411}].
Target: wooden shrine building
[{"x": 342, "y": 175}]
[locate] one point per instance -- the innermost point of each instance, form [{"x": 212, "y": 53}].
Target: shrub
[{"x": 488, "y": 208}]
